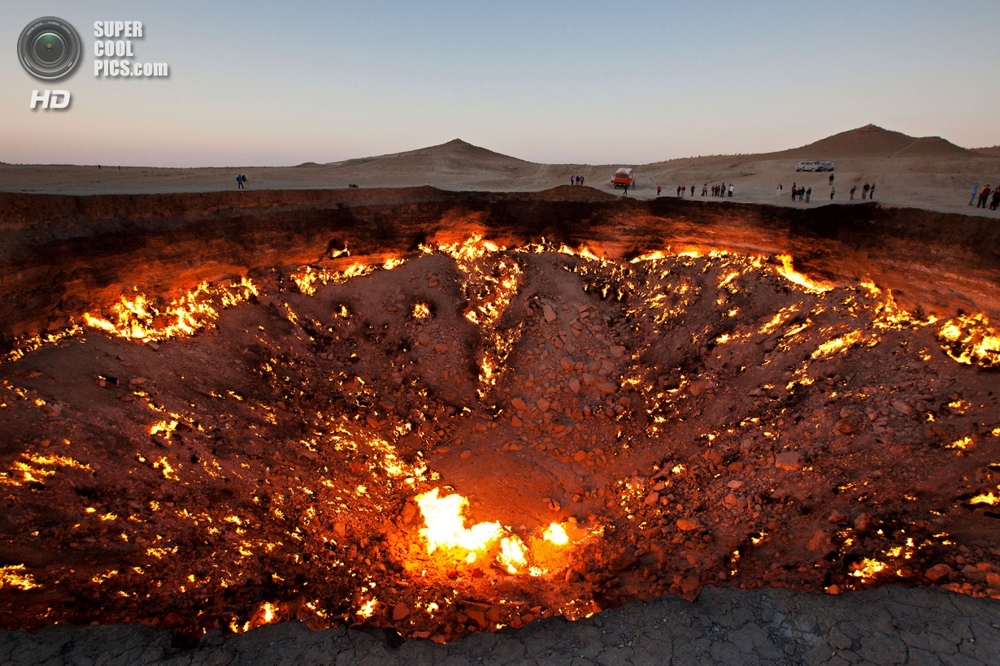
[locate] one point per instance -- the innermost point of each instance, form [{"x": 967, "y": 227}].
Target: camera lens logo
[{"x": 49, "y": 48}]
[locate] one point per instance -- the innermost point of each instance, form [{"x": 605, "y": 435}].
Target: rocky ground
[
  {"x": 254, "y": 452},
  {"x": 890, "y": 625}
]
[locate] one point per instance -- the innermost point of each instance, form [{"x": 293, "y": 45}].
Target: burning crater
[{"x": 473, "y": 434}]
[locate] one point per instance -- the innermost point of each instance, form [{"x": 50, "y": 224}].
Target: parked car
[
  {"x": 815, "y": 165},
  {"x": 623, "y": 178}
]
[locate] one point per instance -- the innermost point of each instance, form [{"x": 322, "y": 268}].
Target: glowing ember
[
  {"x": 961, "y": 444},
  {"x": 868, "y": 568},
  {"x": 445, "y": 520},
  {"x": 841, "y": 344},
  {"x": 987, "y": 498},
  {"x": 14, "y": 576},
  {"x": 556, "y": 533},
  {"x": 512, "y": 554},
  {"x": 368, "y": 608},
  {"x": 421, "y": 311},
  {"x": 138, "y": 319},
  {"x": 971, "y": 340}
]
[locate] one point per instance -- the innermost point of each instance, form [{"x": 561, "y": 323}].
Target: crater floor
[{"x": 258, "y": 451}]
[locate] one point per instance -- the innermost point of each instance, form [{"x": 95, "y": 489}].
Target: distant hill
[
  {"x": 874, "y": 141},
  {"x": 454, "y": 155},
  {"x": 992, "y": 151}
]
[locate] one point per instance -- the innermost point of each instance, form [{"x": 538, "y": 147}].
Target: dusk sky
[{"x": 267, "y": 83}]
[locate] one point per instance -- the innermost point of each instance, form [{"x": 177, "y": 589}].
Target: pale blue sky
[{"x": 255, "y": 82}]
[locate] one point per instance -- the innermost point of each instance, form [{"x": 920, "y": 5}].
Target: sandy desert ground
[{"x": 926, "y": 172}]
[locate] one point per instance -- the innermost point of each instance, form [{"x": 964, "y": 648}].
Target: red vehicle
[{"x": 623, "y": 178}]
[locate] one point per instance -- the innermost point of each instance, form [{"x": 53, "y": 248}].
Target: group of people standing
[
  {"x": 241, "y": 182},
  {"x": 717, "y": 190},
  {"x": 576, "y": 180},
  {"x": 805, "y": 193},
  {"x": 984, "y": 197}
]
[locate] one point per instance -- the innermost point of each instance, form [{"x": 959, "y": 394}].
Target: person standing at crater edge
[
  {"x": 975, "y": 191},
  {"x": 983, "y": 196},
  {"x": 853, "y": 190},
  {"x": 871, "y": 192}
]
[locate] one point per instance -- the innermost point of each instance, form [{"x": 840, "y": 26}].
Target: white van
[{"x": 814, "y": 166}]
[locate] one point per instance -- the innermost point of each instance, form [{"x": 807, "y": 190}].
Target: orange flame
[
  {"x": 445, "y": 520},
  {"x": 787, "y": 271}
]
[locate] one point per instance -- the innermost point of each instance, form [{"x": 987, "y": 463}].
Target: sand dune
[{"x": 926, "y": 172}]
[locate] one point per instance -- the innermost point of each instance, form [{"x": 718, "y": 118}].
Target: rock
[
  {"x": 519, "y": 404},
  {"x": 697, "y": 388},
  {"x": 574, "y": 385},
  {"x": 493, "y": 614},
  {"x": 400, "y": 612},
  {"x": 690, "y": 588},
  {"x": 833, "y": 589},
  {"x": 340, "y": 530},
  {"x": 651, "y": 499},
  {"x": 579, "y": 456},
  {"x": 606, "y": 387},
  {"x": 543, "y": 404},
  {"x": 937, "y": 572},
  {"x": 477, "y": 616},
  {"x": 902, "y": 407},
  {"x": 138, "y": 381},
  {"x": 686, "y": 525},
  {"x": 993, "y": 580},
  {"x": 516, "y": 422},
  {"x": 731, "y": 500},
  {"x": 465, "y": 455},
  {"x": 554, "y": 505},
  {"x": 820, "y": 543},
  {"x": 788, "y": 460},
  {"x": 409, "y": 513},
  {"x": 548, "y": 313},
  {"x": 440, "y": 348},
  {"x": 616, "y": 351},
  {"x": 844, "y": 427},
  {"x": 566, "y": 364},
  {"x": 863, "y": 522},
  {"x": 734, "y": 484}
]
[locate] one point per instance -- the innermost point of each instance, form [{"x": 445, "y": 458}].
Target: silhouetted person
[
  {"x": 871, "y": 193},
  {"x": 853, "y": 190},
  {"x": 983, "y": 196},
  {"x": 833, "y": 191},
  {"x": 995, "y": 203},
  {"x": 864, "y": 192},
  {"x": 975, "y": 191},
  {"x": 731, "y": 190},
  {"x": 657, "y": 190},
  {"x": 809, "y": 194},
  {"x": 831, "y": 179},
  {"x": 678, "y": 190}
]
